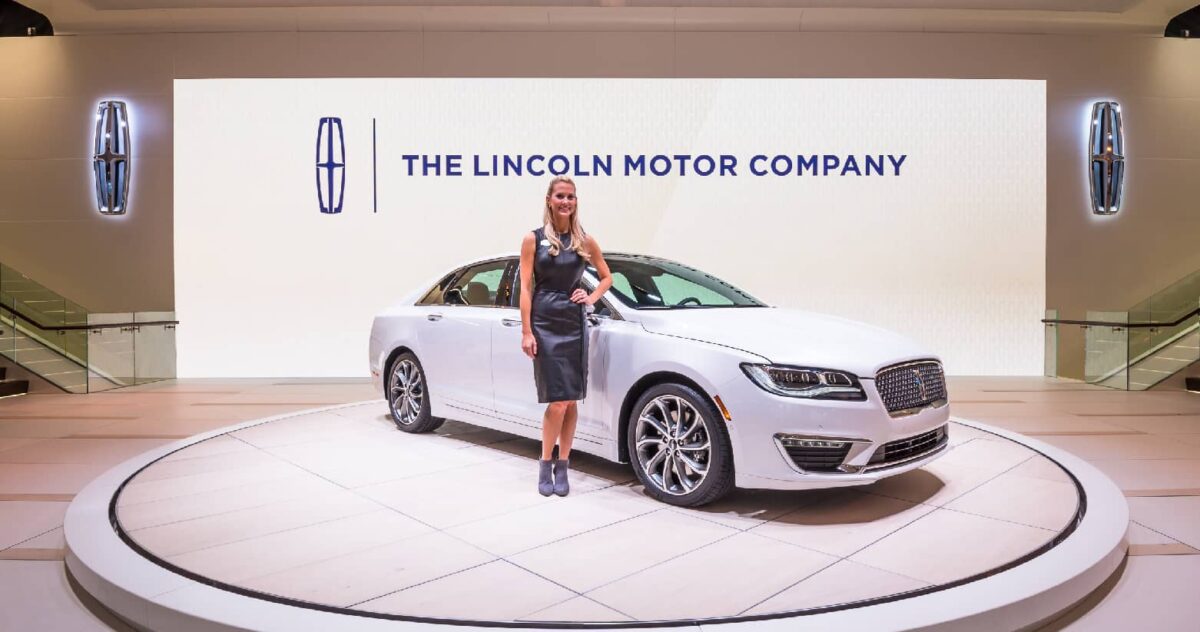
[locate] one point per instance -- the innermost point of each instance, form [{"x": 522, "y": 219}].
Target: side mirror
[{"x": 454, "y": 296}]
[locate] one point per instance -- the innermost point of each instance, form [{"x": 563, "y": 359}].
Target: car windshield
[{"x": 650, "y": 283}]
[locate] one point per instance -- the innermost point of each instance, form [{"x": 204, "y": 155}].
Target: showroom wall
[{"x": 49, "y": 87}]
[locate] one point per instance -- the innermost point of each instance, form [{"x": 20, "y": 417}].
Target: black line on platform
[{"x": 1080, "y": 511}]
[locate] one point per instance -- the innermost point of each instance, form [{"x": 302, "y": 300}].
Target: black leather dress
[{"x": 559, "y": 326}]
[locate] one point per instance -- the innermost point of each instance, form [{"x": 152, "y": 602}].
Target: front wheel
[
  {"x": 408, "y": 398},
  {"x": 678, "y": 448}
]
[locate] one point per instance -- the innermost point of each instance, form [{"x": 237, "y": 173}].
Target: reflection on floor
[
  {"x": 338, "y": 508},
  {"x": 1149, "y": 443}
]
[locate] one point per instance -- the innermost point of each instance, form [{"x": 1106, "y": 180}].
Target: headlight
[{"x": 791, "y": 381}]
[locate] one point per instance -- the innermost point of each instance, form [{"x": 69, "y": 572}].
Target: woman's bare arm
[
  {"x": 528, "y": 343},
  {"x": 601, "y": 270}
]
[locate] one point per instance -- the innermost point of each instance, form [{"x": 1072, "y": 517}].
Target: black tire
[
  {"x": 404, "y": 399},
  {"x": 718, "y": 477}
]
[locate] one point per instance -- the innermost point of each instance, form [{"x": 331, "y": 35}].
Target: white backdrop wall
[{"x": 950, "y": 251}]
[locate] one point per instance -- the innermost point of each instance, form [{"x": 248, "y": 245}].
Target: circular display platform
[{"x": 337, "y": 513}]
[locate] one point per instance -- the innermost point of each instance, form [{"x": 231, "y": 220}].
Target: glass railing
[
  {"x": 77, "y": 350},
  {"x": 1137, "y": 348}
]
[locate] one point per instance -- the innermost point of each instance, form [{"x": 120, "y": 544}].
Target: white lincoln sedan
[{"x": 696, "y": 384}]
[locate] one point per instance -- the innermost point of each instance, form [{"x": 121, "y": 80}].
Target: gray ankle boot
[
  {"x": 545, "y": 484},
  {"x": 561, "y": 486}
]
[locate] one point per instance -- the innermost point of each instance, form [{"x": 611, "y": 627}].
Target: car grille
[
  {"x": 900, "y": 450},
  {"x": 909, "y": 387},
  {"x": 818, "y": 459}
]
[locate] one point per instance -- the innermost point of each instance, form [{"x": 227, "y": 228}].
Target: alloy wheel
[
  {"x": 672, "y": 444},
  {"x": 407, "y": 391}
]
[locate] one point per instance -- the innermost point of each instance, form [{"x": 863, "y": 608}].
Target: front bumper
[{"x": 858, "y": 442}]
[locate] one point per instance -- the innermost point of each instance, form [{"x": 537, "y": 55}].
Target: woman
[{"x": 553, "y": 322}]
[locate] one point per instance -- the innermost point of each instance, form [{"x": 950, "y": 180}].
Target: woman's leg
[
  {"x": 552, "y": 425},
  {"x": 566, "y": 436}
]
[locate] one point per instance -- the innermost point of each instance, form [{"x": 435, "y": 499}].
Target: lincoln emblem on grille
[
  {"x": 331, "y": 164},
  {"x": 1106, "y": 148},
  {"x": 916, "y": 373}
]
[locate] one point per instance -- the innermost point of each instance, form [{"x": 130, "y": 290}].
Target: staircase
[
  {"x": 11, "y": 388},
  {"x": 77, "y": 350},
  {"x": 1145, "y": 345}
]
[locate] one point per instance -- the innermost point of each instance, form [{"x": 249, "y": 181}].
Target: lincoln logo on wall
[
  {"x": 331, "y": 164},
  {"x": 1107, "y": 149},
  {"x": 110, "y": 158}
]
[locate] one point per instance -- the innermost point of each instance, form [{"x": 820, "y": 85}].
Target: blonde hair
[{"x": 575, "y": 229}]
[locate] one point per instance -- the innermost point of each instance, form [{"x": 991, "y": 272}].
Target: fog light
[{"x": 789, "y": 442}]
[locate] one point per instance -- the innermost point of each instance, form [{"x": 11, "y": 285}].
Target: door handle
[
  {"x": 434, "y": 317},
  {"x": 508, "y": 322}
]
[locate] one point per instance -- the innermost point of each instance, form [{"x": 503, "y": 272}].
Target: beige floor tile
[
  {"x": 995, "y": 455},
  {"x": 51, "y": 427},
  {"x": 577, "y": 609},
  {"x": 238, "y": 561},
  {"x": 138, "y": 491},
  {"x": 220, "y": 462},
  {"x": 371, "y": 573},
  {"x": 451, "y": 498},
  {"x": 962, "y": 434},
  {"x": 547, "y": 522},
  {"x": 304, "y": 428},
  {"x": 597, "y": 557},
  {"x": 1041, "y": 467},
  {"x": 20, "y": 521},
  {"x": 686, "y": 586},
  {"x": 1124, "y": 447},
  {"x": 1156, "y": 592},
  {"x": 845, "y": 523},
  {"x": 221, "y": 444},
  {"x": 1048, "y": 423},
  {"x": 156, "y": 426},
  {"x": 907, "y": 551},
  {"x": 843, "y": 582},
  {"x": 50, "y": 540},
  {"x": 935, "y": 484},
  {"x": 1177, "y": 517},
  {"x": 1166, "y": 424},
  {"x": 9, "y": 443},
  {"x": 497, "y": 591},
  {"x": 103, "y": 451},
  {"x": 37, "y": 596},
  {"x": 1029, "y": 501},
  {"x": 44, "y": 478},
  {"x": 464, "y": 435},
  {"x": 1147, "y": 474},
  {"x": 1139, "y": 534},
  {"x": 187, "y": 507},
  {"x": 750, "y": 508},
  {"x": 1192, "y": 439},
  {"x": 204, "y": 532},
  {"x": 1149, "y": 405},
  {"x": 362, "y": 461}
]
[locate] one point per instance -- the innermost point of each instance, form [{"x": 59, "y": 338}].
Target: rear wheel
[
  {"x": 679, "y": 450},
  {"x": 408, "y": 399}
]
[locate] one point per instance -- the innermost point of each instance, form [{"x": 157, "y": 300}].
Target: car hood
[{"x": 789, "y": 336}]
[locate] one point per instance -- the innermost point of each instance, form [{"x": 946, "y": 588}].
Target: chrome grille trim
[
  {"x": 911, "y": 387},
  {"x": 901, "y": 451}
]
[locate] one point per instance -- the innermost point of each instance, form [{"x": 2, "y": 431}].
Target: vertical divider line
[{"x": 374, "y": 172}]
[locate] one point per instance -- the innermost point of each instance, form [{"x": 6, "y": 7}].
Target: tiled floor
[
  {"x": 409, "y": 524},
  {"x": 50, "y": 445}
]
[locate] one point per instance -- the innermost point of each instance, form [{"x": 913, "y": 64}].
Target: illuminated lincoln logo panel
[
  {"x": 1106, "y": 146},
  {"x": 331, "y": 164},
  {"x": 111, "y": 158}
]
